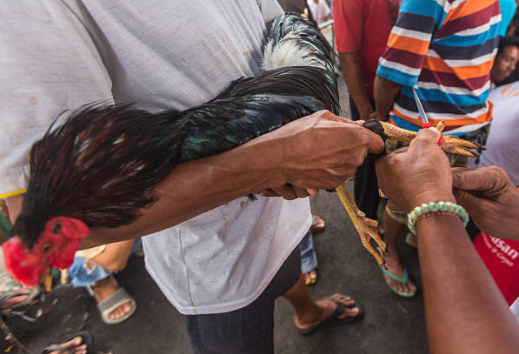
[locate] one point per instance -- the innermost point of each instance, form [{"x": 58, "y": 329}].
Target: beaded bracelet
[{"x": 435, "y": 209}]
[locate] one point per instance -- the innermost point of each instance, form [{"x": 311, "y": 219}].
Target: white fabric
[
  {"x": 502, "y": 148},
  {"x": 160, "y": 55},
  {"x": 320, "y": 11},
  {"x": 48, "y": 63}
]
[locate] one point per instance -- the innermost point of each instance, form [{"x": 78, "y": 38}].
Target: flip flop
[
  {"x": 334, "y": 318},
  {"x": 10, "y": 289},
  {"x": 402, "y": 280},
  {"x": 86, "y": 337}
]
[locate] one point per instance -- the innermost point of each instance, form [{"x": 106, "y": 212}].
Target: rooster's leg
[
  {"x": 366, "y": 228},
  {"x": 450, "y": 144}
]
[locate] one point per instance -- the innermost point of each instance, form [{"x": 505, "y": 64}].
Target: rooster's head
[{"x": 56, "y": 245}]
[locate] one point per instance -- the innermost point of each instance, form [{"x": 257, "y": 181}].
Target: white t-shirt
[
  {"x": 159, "y": 55},
  {"x": 502, "y": 148}
]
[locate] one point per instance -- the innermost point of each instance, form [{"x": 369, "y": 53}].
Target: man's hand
[
  {"x": 322, "y": 150},
  {"x": 490, "y": 198},
  {"x": 418, "y": 174}
]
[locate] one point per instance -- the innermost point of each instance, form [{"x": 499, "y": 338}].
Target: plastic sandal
[
  {"x": 402, "y": 280},
  {"x": 113, "y": 301}
]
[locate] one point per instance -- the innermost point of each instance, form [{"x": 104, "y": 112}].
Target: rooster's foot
[
  {"x": 449, "y": 143},
  {"x": 367, "y": 228}
]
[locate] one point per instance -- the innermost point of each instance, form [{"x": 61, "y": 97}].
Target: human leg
[
  {"x": 310, "y": 314},
  {"x": 248, "y": 330},
  {"x": 115, "y": 256},
  {"x": 114, "y": 303},
  {"x": 395, "y": 276}
]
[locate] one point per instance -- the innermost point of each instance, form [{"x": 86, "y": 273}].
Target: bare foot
[
  {"x": 75, "y": 342},
  {"x": 106, "y": 287},
  {"x": 310, "y": 277},
  {"x": 394, "y": 267},
  {"x": 326, "y": 308}
]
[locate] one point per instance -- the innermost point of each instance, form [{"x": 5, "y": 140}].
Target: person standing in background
[
  {"x": 445, "y": 50},
  {"x": 362, "y": 28}
]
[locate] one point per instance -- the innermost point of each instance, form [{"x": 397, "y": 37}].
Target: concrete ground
[{"x": 391, "y": 325}]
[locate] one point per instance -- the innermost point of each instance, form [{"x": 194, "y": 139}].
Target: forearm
[
  {"x": 465, "y": 311},
  {"x": 319, "y": 151},
  {"x": 355, "y": 81},
  {"x": 385, "y": 92}
]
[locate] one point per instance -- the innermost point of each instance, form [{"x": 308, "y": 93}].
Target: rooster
[{"x": 86, "y": 172}]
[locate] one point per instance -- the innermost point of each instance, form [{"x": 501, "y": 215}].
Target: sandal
[
  {"x": 113, "y": 301},
  {"x": 86, "y": 337},
  {"x": 312, "y": 277},
  {"x": 318, "y": 224},
  {"x": 334, "y": 318},
  {"x": 402, "y": 280},
  {"x": 10, "y": 289}
]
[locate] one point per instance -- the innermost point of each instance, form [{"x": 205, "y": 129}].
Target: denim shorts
[{"x": 81, "y": 275}]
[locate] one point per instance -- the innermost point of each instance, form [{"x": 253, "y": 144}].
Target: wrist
[
  {"x": 435, "y": 209},
  {"x": 428, "y": 196}
]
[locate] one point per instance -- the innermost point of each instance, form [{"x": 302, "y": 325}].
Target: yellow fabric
[{"x": 13, "y": 193}]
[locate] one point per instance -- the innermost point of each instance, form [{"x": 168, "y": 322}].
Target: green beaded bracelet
[{"x": 432, "y": 209}]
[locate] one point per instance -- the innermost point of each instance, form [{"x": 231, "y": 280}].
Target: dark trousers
[
  {"x": 249, "y": 330},
  {"x": 366, "y": 183}
]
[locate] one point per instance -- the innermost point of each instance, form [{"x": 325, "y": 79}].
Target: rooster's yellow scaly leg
[{"x": 366, "y": 228}]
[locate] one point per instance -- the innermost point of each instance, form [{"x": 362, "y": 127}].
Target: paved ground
[{"x": 391, "y": 325}]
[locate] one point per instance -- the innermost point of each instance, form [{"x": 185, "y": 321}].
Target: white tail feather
[{"x": 288, "y": 53}]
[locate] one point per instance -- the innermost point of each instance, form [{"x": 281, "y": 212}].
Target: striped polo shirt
[{"x": 445, "y": 49}]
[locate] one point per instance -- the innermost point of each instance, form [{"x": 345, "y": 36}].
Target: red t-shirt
[
  {"x": 363, "y": 26},
  {"x": 502, "y": 260}
]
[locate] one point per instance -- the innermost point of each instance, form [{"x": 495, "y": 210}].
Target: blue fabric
[
  {"x": 507, "y": 13},
  {"x": 308, "y": 256},
  {"x": 81, "y": 275}
]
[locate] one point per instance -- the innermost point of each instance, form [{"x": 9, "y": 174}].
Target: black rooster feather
[{"x": 100, "y": 165}]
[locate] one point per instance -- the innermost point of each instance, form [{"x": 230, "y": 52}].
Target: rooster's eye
[
  {"x": 47, "y": 246},
  {"x": 56, "y": 228}
]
